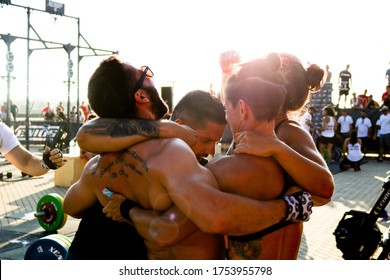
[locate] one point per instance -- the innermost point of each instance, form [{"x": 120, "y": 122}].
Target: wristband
[
  {"x": 106, "y": 192},
  {"x": 44, "y": 166},
  {"x": 125, "y": 208},
  {"x": 299, "y": 206},
  {"x": 47, "y": 162}
]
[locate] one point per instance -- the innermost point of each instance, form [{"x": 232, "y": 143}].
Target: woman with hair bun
[{"x": 294, "y": 148}]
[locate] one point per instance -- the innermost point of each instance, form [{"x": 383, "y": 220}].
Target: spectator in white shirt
[
  {"x": 363, "y": 126},
  {"x": 345, "y": 123},
  {"x": 383, "y": 124}
]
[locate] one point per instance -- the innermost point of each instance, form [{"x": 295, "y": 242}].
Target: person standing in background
[
  {"x": 388, "y": 76},
  {"x": 383, "y": 124},
  {"x": 328, "y": 130},
  {"x": 306, "y": 120},
  {"x": 345, "y": 123},
  {"x": 48, "y": 113},
  {"x": 84, "y": 108},
  {"x": 47, "y": 109},
  {"x": 60, "y": 107},
  {"x": 386, "y": 97},
  {"x": 363, "y": 126},
  {"x": 345, "y": 82},
  {"x": 14, "y": 110},
  {"x": 328, "y": 75}
]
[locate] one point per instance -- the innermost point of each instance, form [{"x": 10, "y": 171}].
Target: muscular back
[
  {"x": 135, "y": 174},
  {"x": 259, "y": 178},
  {"x": 145, "y": 173}
]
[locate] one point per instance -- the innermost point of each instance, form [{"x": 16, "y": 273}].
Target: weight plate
[
  {"x": 54, "y": 218},
  {"x": 62, "y": 238},
  {"x": 47, "y": 248},
  {"x": 62, "y": 203}
]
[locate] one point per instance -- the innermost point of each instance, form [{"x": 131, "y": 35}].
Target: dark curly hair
[{"x": 300, "y": 81}]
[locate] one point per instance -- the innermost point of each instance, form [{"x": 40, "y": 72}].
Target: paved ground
[{"x": 19, "y": 228}]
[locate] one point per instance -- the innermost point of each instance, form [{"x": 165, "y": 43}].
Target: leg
[
  {"x": 322, "y": 150},
  {"x": 381, "y": 151},
  {"x": 385, "y": 144},
  {"x": 329, "y": 147},
  {"x": 364, "y": 145}
]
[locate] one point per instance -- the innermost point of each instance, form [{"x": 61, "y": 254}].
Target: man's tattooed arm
[
  {"x": 122, "y": 127},
  {"x": 111, "y": 135}
]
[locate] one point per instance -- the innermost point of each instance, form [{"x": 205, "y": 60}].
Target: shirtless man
[
  {"x": 196, "y": 105},
  {"x": 142, "y": 174},
  {"x": 251, "y": 175}
]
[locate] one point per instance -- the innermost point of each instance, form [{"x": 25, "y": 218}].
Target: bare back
[
  {"x": 262, "y": 179},
  {"x": 140, "y": 173}
]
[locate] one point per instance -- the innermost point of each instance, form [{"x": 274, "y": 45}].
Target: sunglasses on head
[{"x": 146, "y": 72}]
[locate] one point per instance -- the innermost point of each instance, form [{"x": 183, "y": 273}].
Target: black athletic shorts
[
  {"x": 327, "y": 140},
  {"x": 344, "y": 92}
]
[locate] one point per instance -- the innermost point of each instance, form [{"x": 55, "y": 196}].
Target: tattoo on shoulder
[
  {"x": 123, "y": 127},
  {"x": 140, "y": 159},
  {"x": 119, "y": 166}
]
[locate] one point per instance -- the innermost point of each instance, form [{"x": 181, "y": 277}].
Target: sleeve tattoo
[{"x": 123, "y": 127}]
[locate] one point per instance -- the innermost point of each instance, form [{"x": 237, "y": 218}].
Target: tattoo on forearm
[
  {"x": 119, "y": 167},
  {"x": 123, "y": 127}
]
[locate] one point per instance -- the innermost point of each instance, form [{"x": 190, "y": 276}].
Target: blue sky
[{"x": 181, "y": 40}]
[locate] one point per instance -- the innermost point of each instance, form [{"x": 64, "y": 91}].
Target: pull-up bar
[{"x": 57, "y": 9}]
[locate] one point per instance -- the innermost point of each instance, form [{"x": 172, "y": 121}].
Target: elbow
[
  {"x": 327, "y": 189},
  {"x": 81, "y": 138},
  {"x": 320, "y": 201},
  {"x": 69, "y": 211},
  {"x": 325, "y": 193}
]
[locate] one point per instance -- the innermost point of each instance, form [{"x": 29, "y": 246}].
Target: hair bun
[{"x": 314, "y": 77}]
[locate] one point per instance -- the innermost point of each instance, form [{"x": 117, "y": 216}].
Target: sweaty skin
[
  {"x": 281, "y": 244},
  {"x": 158, "y": 187}
]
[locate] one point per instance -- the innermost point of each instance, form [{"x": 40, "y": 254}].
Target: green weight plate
[{"x": 53, "y": 219}]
